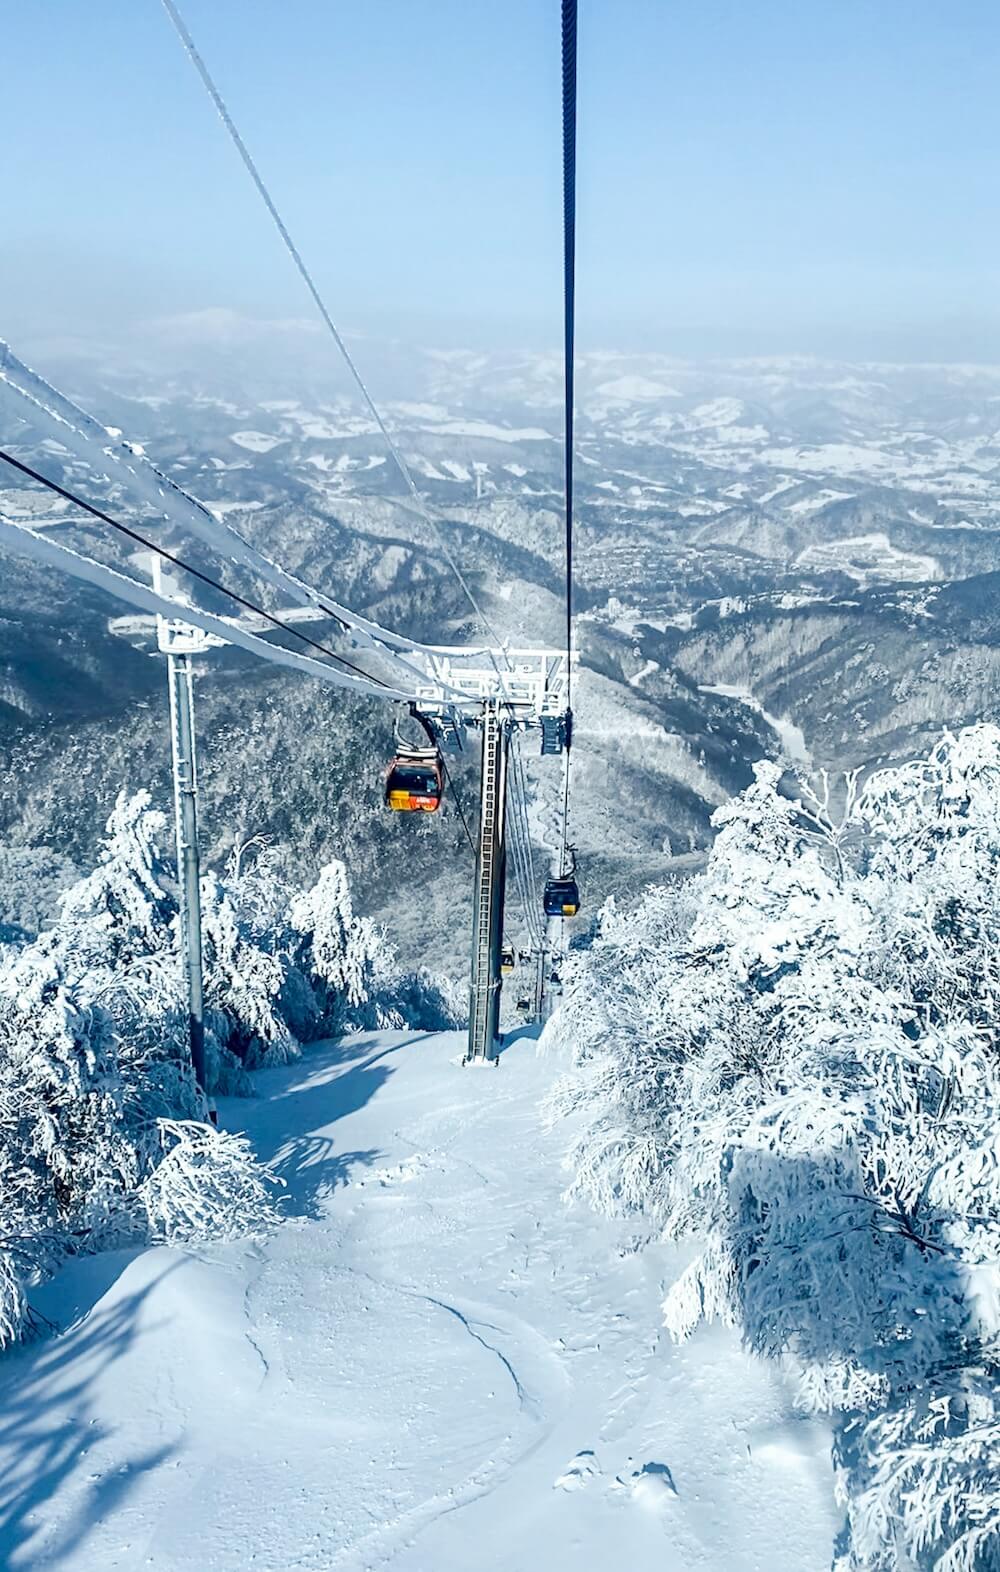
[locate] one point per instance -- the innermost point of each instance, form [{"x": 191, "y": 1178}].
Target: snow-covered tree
[
  {"x": 101, "y": 1128},
  {"x": 336, "y": 950},
  {"x": 244, "y": 984},
  {"x": 102, "y": 1131},
  {"x": 352, "y": 967},
  {"x": 123, "y": 913},
  {"x": 88, "y": 1159},
  {"x": 794, "y": 1059}
]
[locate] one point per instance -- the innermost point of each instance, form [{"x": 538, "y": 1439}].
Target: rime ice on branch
[{"x": 794, "y": 1059}]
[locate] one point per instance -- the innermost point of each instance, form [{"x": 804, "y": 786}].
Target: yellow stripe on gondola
[{"x": 407, "y": 802}]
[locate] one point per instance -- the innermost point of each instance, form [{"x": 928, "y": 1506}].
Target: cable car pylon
[
  {"x": 179, "y": 642},
  {"x": 490, "y": 886}
]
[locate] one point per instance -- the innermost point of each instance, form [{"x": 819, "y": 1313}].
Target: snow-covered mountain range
[{"x": 773, "y": 557}]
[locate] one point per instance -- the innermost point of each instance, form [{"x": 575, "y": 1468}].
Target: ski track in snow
[{"x": 434, "y": 1363}]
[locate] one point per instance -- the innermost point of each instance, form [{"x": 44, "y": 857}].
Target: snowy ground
[{"x": 435, "y": 1365}]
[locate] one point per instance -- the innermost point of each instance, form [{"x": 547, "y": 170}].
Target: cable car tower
[
  {"x": 507, "y": 690},
  {"x": 497, "y": 690}
]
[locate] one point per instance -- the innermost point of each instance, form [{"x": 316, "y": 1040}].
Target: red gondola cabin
[{"x": 415, "y": 782}]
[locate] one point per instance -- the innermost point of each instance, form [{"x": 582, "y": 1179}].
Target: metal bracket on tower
[
  {"x": 491, "y": 870},
  {"x": 445, "y": 727}
]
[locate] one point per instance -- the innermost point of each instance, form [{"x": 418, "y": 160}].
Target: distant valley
[{"x": 779, "y": 558}]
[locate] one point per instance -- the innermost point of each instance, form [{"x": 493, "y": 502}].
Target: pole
[
  {"x": 551, "y": 954},
  {"x": 539, "y": 995},
  {"x": 491, "y": 874},
  {"x": 188, "y": 871}
]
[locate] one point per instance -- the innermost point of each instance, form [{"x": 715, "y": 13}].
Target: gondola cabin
[
  {"x": 415, "y": 782},
  {"x": 507, "y": 960},
  {"x": 561, "y": 898}
]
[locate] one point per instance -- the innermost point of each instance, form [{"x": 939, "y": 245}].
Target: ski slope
[{"x": 434, "y": 1365}]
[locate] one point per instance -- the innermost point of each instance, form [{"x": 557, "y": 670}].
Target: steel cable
[{"x": 169, "y": 556}]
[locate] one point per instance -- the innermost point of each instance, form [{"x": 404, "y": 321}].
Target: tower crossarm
[{"x": 531, "y": 682}]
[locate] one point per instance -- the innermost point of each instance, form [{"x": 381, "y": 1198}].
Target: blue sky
[{"x": 754, "y": 177}]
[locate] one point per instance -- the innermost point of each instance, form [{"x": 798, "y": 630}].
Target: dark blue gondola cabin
[{"x": 562, "y": 898}]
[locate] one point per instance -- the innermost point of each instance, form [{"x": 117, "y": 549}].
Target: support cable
[
  {"x": 522, "y": 797},
  {"x": 521, "y": 844},
  {"x": 569, "y": 22},
  {"x": 569, "y": 225},
  {"x": 208, "y": 82},
  {"x": 517, "y": 859},
  {"x": 458, "y": 804},
  {"x": 105, "y": 449},
  {"x": 169, "y": 556},
  {"x": 40, "y": 547}
]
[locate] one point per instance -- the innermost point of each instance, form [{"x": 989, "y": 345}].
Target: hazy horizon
[{"x": 778, "y": 182}]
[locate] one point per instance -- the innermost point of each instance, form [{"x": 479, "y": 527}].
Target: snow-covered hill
[
  {"x": 820, "y": 537},
  {"x": 434, "y": 1364}
]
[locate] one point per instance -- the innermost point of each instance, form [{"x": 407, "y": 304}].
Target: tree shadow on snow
[
  {"x": 48, "y": 1428},
  {"x": 292, "y": 1132}
]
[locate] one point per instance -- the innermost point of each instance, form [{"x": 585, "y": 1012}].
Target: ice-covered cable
[
  {"x": 208, "y": 82},
  {"x": 105, "y": 448},
  {"x": 41, "y": 548},
  {"x": 187, "y": 567}
]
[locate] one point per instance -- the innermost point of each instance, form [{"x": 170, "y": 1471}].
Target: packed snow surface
[{"x": 434, "y": 1364}]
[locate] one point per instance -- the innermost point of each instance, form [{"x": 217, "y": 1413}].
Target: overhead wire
[
  {"x": 517, "y": 860},
  {"x": 521, "y": 843},
  {"x": 106, "y": 449},
  {"x": 187, "y": 567},
  {"x": 569, "y": 28},
  {"x": 449, "y": 778},
  {"x": 208, "y": 82},
  {"x": 183, "y": 33},
  {"x": 569, "y": 33}
]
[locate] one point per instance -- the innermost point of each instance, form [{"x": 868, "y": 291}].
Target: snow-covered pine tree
[
  {"x": 122, "y": 914},
  {"x": 244, "y": 985},
  {"x": 100, "y": 1140},
  {"x": 337, "y": 951},
  {"x": 353, "y": 970},
  {"x": 794, "y": 1059},
  {"x": 116, "y": 943}
]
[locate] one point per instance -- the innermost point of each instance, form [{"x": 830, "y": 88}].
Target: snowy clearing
[
  {"x": 820, "y": 499},
  {"x": 256, "y": 441},
  {"x": 638, "y": 678},
  {"x": 486, "y": 429},
  {"x": 434, "y": 1363},
  {"x": 241, "y": 506},
  {"x": 870, "y": 559}
]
